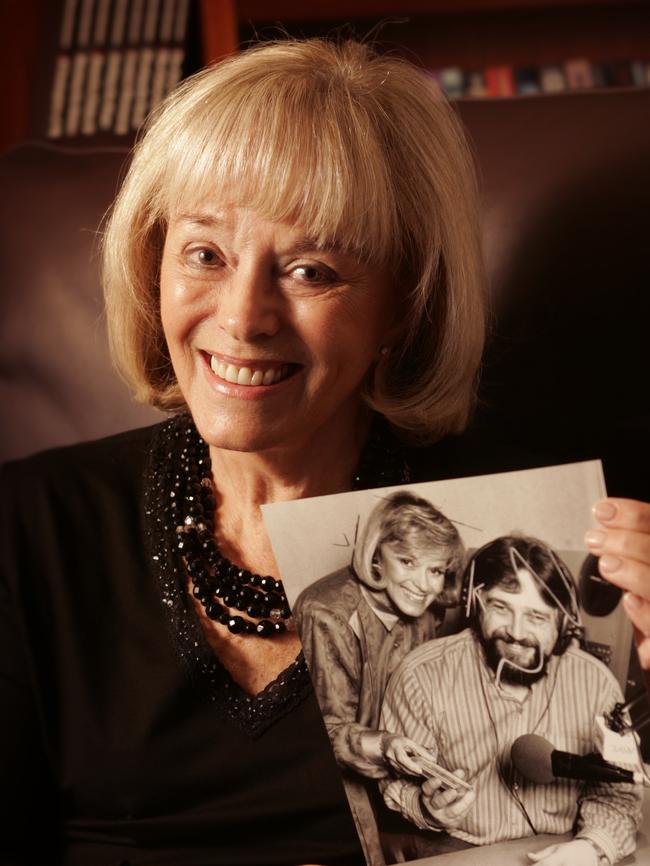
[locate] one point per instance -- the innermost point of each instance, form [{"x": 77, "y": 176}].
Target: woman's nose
[
  {"x": 429, "y": 581},
  {"x": 249, "y": 305}
]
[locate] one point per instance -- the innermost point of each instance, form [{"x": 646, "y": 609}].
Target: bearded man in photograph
[{"x": 516, "y": 670}]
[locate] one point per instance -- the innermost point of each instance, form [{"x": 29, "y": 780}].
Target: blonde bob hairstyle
[
  {"x": 416, "y": 527},
  {"x": 358, "y": 148}
]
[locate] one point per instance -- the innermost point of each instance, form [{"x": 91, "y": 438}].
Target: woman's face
[
  {"x": 414, "y": 577},
  {"x": 270, "y": 337}
]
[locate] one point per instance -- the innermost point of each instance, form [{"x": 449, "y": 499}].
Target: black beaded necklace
[{"x": 218, "y": 584}]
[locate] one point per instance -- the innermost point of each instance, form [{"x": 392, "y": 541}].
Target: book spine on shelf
[{"x": 114, "y": 60}]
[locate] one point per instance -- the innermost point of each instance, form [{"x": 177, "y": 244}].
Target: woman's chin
[{"x": 221, "y": 435}]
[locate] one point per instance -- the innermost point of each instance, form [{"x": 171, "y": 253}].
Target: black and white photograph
[{"x": 469, "y": 665}]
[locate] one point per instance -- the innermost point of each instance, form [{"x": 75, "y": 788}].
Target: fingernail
[
  {"x": 595, "y": 538},
  {"x": 631, "y": 600},
  {"x": 609, "y": 564},
  {"x": 605, "y": 510}
]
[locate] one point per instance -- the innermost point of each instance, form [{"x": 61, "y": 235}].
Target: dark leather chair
[
  {"x": 57, "y": 385},
  {"x": 566, "y": 193}
]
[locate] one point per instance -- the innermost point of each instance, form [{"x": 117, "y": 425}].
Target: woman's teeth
[
  {"x": 246, "y": 375},
  {"x": 415, "y": 594}
]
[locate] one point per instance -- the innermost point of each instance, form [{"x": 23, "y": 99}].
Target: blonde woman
[
  {"x": 358, "y": 623},
  {"x": 293, "y": 252}
]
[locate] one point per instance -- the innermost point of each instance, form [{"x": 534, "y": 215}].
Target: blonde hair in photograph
[
  {"x": 416, "y": 526},
  {"x": 358, "y": 148}
]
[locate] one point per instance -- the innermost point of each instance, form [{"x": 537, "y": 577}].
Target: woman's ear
[
  {"x": 379, "y": 582},
  {"x": 392, "y": 334}
]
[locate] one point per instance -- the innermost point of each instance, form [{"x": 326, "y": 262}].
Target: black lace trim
[{"x": 382, "y": 464}]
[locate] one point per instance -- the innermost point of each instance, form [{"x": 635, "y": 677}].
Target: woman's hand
[
  {"x": 622, "y": 543},
  {"x": 401, "y": 754}
]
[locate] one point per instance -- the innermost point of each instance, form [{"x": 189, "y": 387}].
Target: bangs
[
  {"x": 420, "y": 538},
  {"x": 293, "y": 149}
]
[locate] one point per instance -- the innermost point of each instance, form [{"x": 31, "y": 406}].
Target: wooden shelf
[
  {"x": 467, "y": 33},
  {"x": 472, "y": 34},
  {"x": 289, "y": 10}
]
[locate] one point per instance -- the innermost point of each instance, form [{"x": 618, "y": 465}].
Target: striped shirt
[{"x": 445, "y": 697}]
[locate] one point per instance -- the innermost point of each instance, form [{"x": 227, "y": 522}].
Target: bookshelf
[
  {"x": 467, "y": 35},
  {"x": 88, "y": 72}
]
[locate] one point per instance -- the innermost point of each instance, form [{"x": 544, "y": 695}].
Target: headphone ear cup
[{"x": 567, "y": 632}]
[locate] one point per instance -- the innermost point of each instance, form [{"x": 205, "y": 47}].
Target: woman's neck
[{"x": 324, "y": 463}]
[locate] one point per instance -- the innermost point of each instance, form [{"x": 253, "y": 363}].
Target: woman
[
  {"x": 274, "y": 269},
  {"x": 358, "y": 623},
  {"x": 356, "y": 626},
  {"x": 295, "y": 247}
]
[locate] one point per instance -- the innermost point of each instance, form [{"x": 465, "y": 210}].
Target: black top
[{"x": 111, "y": 750}]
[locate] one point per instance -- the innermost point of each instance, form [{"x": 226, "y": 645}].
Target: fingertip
[
  {"x": 608, "y": 565},
  {"x": 605, "y": 510},
  {"x": 430, "y": 786},
  {"x": 637, "y": 609},
  {"x": 623, "y": 513},
  {"x": 632, "y": 601}
]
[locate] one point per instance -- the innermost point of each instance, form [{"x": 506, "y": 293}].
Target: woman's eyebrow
[
  {"x": 201, "y": 219},
  {"x": 309, "y": 245},
  {"x": 301, "y": 245}
]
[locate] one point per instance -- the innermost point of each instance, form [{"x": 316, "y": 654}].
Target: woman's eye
[
  {"x": 204, "y": 257},
  {"x": 406, "y": 561},
  {"x": 315, "y": 275}
]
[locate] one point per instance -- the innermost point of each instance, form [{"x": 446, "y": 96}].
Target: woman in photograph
[
  {"x": 293, "y": 271},
  {"x": 358, "y": 623}
]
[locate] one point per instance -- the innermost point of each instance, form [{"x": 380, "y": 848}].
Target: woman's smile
[
  {"x": 248, "y": 380},
  {"x": 249, "y": 373}
]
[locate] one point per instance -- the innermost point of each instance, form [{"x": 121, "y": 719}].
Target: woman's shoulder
[
  {"x": 109, "y": 456},
  {"x": 73, "y": 516},
  {"x": 336, "y": 591},
  {"x": 84, "y": 483}
]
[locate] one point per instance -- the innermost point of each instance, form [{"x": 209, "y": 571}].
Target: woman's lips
[
  {"x": 250, "y": 374},
  {"x": 415, "y": 594}
]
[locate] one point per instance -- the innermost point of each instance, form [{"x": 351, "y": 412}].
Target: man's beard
[{"x": 509, "y": 673}]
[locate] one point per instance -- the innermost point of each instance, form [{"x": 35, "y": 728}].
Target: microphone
[{"x": 536, "y": 759}]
